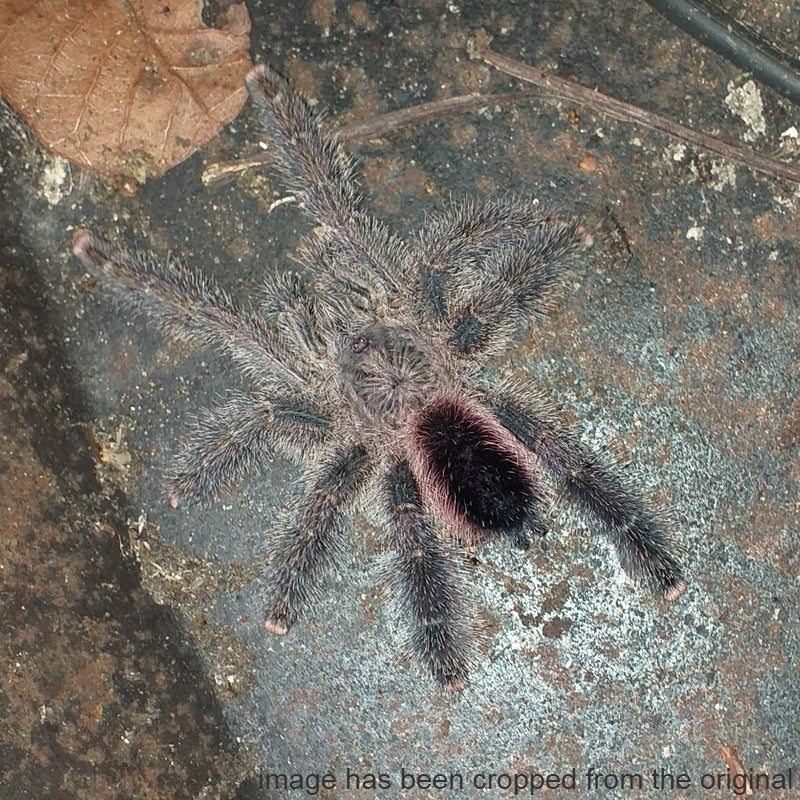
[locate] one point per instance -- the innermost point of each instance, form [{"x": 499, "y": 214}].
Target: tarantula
[{"x": 368, "y": 370}]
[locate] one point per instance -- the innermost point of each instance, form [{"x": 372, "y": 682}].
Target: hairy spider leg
[
  {"x": 457, "y": 241},
  {"x": 318, "y": 171},
  {"x": 518, "y": 282},
  {"x": 313, "y": 165},
  {"x": 229, "y": 440},
  {"x": 301, "y": 553},
  {"x": 647, "y": 551},
  {"x": 190, "y": 307},
  {"x": 423, "y": 578}
]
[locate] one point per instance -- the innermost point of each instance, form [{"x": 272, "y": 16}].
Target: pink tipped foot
[
  {"x": 262, "y": 80},
  {"x": 275, "y": 627},
  {"x": 674, "y": 592},
  {"x": 587, "y": 240},
  {"x": 455, "y": 688},
  {"x": 254, "y": 74},
  {"x": 81, "y": 241},
  {"x": 172, "y": 498}
]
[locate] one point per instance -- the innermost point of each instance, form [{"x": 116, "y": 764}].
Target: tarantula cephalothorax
[{"x": 367, "y": 368}]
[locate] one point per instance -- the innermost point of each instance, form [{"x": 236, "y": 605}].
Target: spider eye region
[
  {"x": 386, "y": 373},
  {"x": 474, "y": 473},
  {"x": 359, "y": 344}
]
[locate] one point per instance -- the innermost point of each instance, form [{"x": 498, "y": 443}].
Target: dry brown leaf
[{"x": 126, "y": 88}]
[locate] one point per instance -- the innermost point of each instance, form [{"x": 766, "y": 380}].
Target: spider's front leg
[
  {"x": 318, "y": 171},
  {"x": 647, "y": 550},
  {"x": 189, "y": 306},
  {"x": 424, "y": 580},
  {"x": 313, "y": 164},
  {"x": 313, "y": 542}
]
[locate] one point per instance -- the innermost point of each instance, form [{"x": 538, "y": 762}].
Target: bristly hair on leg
[
  {"x": 314, "y": 167},
  {"x": 425, "y": 582},
  {"x": 647, "y": 550},
  {"x": 237, "y": 437},
  {"x": 190, "y": 307},
  {"x": 318, "y": 171},
  {"x": 226, "y": 443},
  {"x": 302, "y": 553}
]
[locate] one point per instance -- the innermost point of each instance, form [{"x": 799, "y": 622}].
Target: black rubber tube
[{"x": 729, "y": 42}]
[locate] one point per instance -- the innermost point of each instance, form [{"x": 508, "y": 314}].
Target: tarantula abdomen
[{"x": 477, "y": 472}]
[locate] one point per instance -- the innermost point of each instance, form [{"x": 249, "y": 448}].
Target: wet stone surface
[{"x": 134, "y": 660}]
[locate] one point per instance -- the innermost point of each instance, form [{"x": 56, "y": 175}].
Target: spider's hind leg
[
  {"x": 313, "y": 542},
  {"x": 647, "y": 549},
  {"x": 424, "y": 581}
]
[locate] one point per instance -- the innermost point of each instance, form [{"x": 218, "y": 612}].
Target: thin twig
[
  {"x": 566, "y": 90},
  {"x": 378, "y": 126},
  {"x": 553, "y": 86},
  {"x": 436, "y": 109}
]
